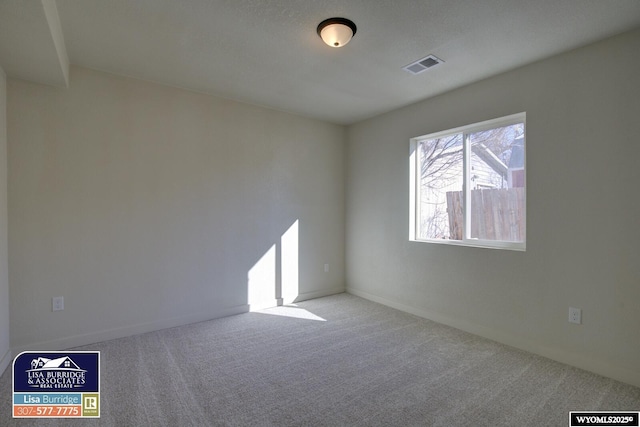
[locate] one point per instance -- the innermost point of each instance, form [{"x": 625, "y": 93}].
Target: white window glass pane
[
  {"x": 496, "y": 182},
  {"x": 441, "y": 183}
]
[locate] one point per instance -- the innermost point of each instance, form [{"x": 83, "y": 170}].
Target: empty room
[{"x": 286, "y": 213}]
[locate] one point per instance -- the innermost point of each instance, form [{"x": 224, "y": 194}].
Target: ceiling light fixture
[{"x": 336, "y": 32}]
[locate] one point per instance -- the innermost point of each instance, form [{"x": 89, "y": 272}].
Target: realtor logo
[
  {"x": 56, "y": 384},
  {"x": 90, "y": 405},
  {"x": 90, "y": 402}
]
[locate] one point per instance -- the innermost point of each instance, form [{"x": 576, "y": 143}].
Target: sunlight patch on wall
[
  {"x": 274, "y": 278},
  {"x": 289, "y": 264},
  {"x": 262, "y": 281}
]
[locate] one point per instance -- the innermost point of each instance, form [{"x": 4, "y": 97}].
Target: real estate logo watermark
[{"x": 56, "y": 384}]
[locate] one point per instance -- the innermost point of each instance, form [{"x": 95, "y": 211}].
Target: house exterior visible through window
[{"x": 468, "y": 185}]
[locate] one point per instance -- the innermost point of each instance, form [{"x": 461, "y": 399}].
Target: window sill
[{"x": 475, "y": 243}]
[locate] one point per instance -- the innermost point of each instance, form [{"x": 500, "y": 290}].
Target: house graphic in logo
[
  {"x": 59, "y": 373},
  {"x": 60, "y": 364}
]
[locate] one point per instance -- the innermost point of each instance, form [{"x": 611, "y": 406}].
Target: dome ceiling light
[{"x": 336, "y": 32}]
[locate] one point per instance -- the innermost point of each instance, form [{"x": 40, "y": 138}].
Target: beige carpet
[{"x": 335, "y": 361}]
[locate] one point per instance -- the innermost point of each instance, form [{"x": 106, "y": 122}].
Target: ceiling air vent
[{"x": 422, "y": 65}]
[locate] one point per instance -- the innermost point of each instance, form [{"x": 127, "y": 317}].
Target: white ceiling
[{"x": 267, "y": 52}]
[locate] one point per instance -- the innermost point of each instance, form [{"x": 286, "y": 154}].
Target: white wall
[
  {"x": 5, "y": 353},
  {"x": 146, "y": 206},
  {"x": 582, "y": 111}
]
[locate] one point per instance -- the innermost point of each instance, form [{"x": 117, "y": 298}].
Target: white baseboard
[
  {"x": 577, "y": 360},
  {"x": 289, "y": 299},
  {"x": 110, "y": 334},
  {"x": 318, "y": 294},
  {"x": 5, "y": 360},
  {"x": 261, "y": 305},
  {"x": 66, "y": 343}
]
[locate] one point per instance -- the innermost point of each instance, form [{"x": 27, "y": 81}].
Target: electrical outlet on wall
[
  {"x": 57, "y": 303},
  {"x": 575, "y": 315}
]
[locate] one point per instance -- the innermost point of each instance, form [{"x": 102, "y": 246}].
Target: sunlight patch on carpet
[{"x": 292, "y": 310}]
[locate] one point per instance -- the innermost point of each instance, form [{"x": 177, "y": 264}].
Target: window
[{"x": 468, "y": 185}]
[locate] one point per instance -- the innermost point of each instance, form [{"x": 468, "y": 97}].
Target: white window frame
[{"x": 414, "y": 188}]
